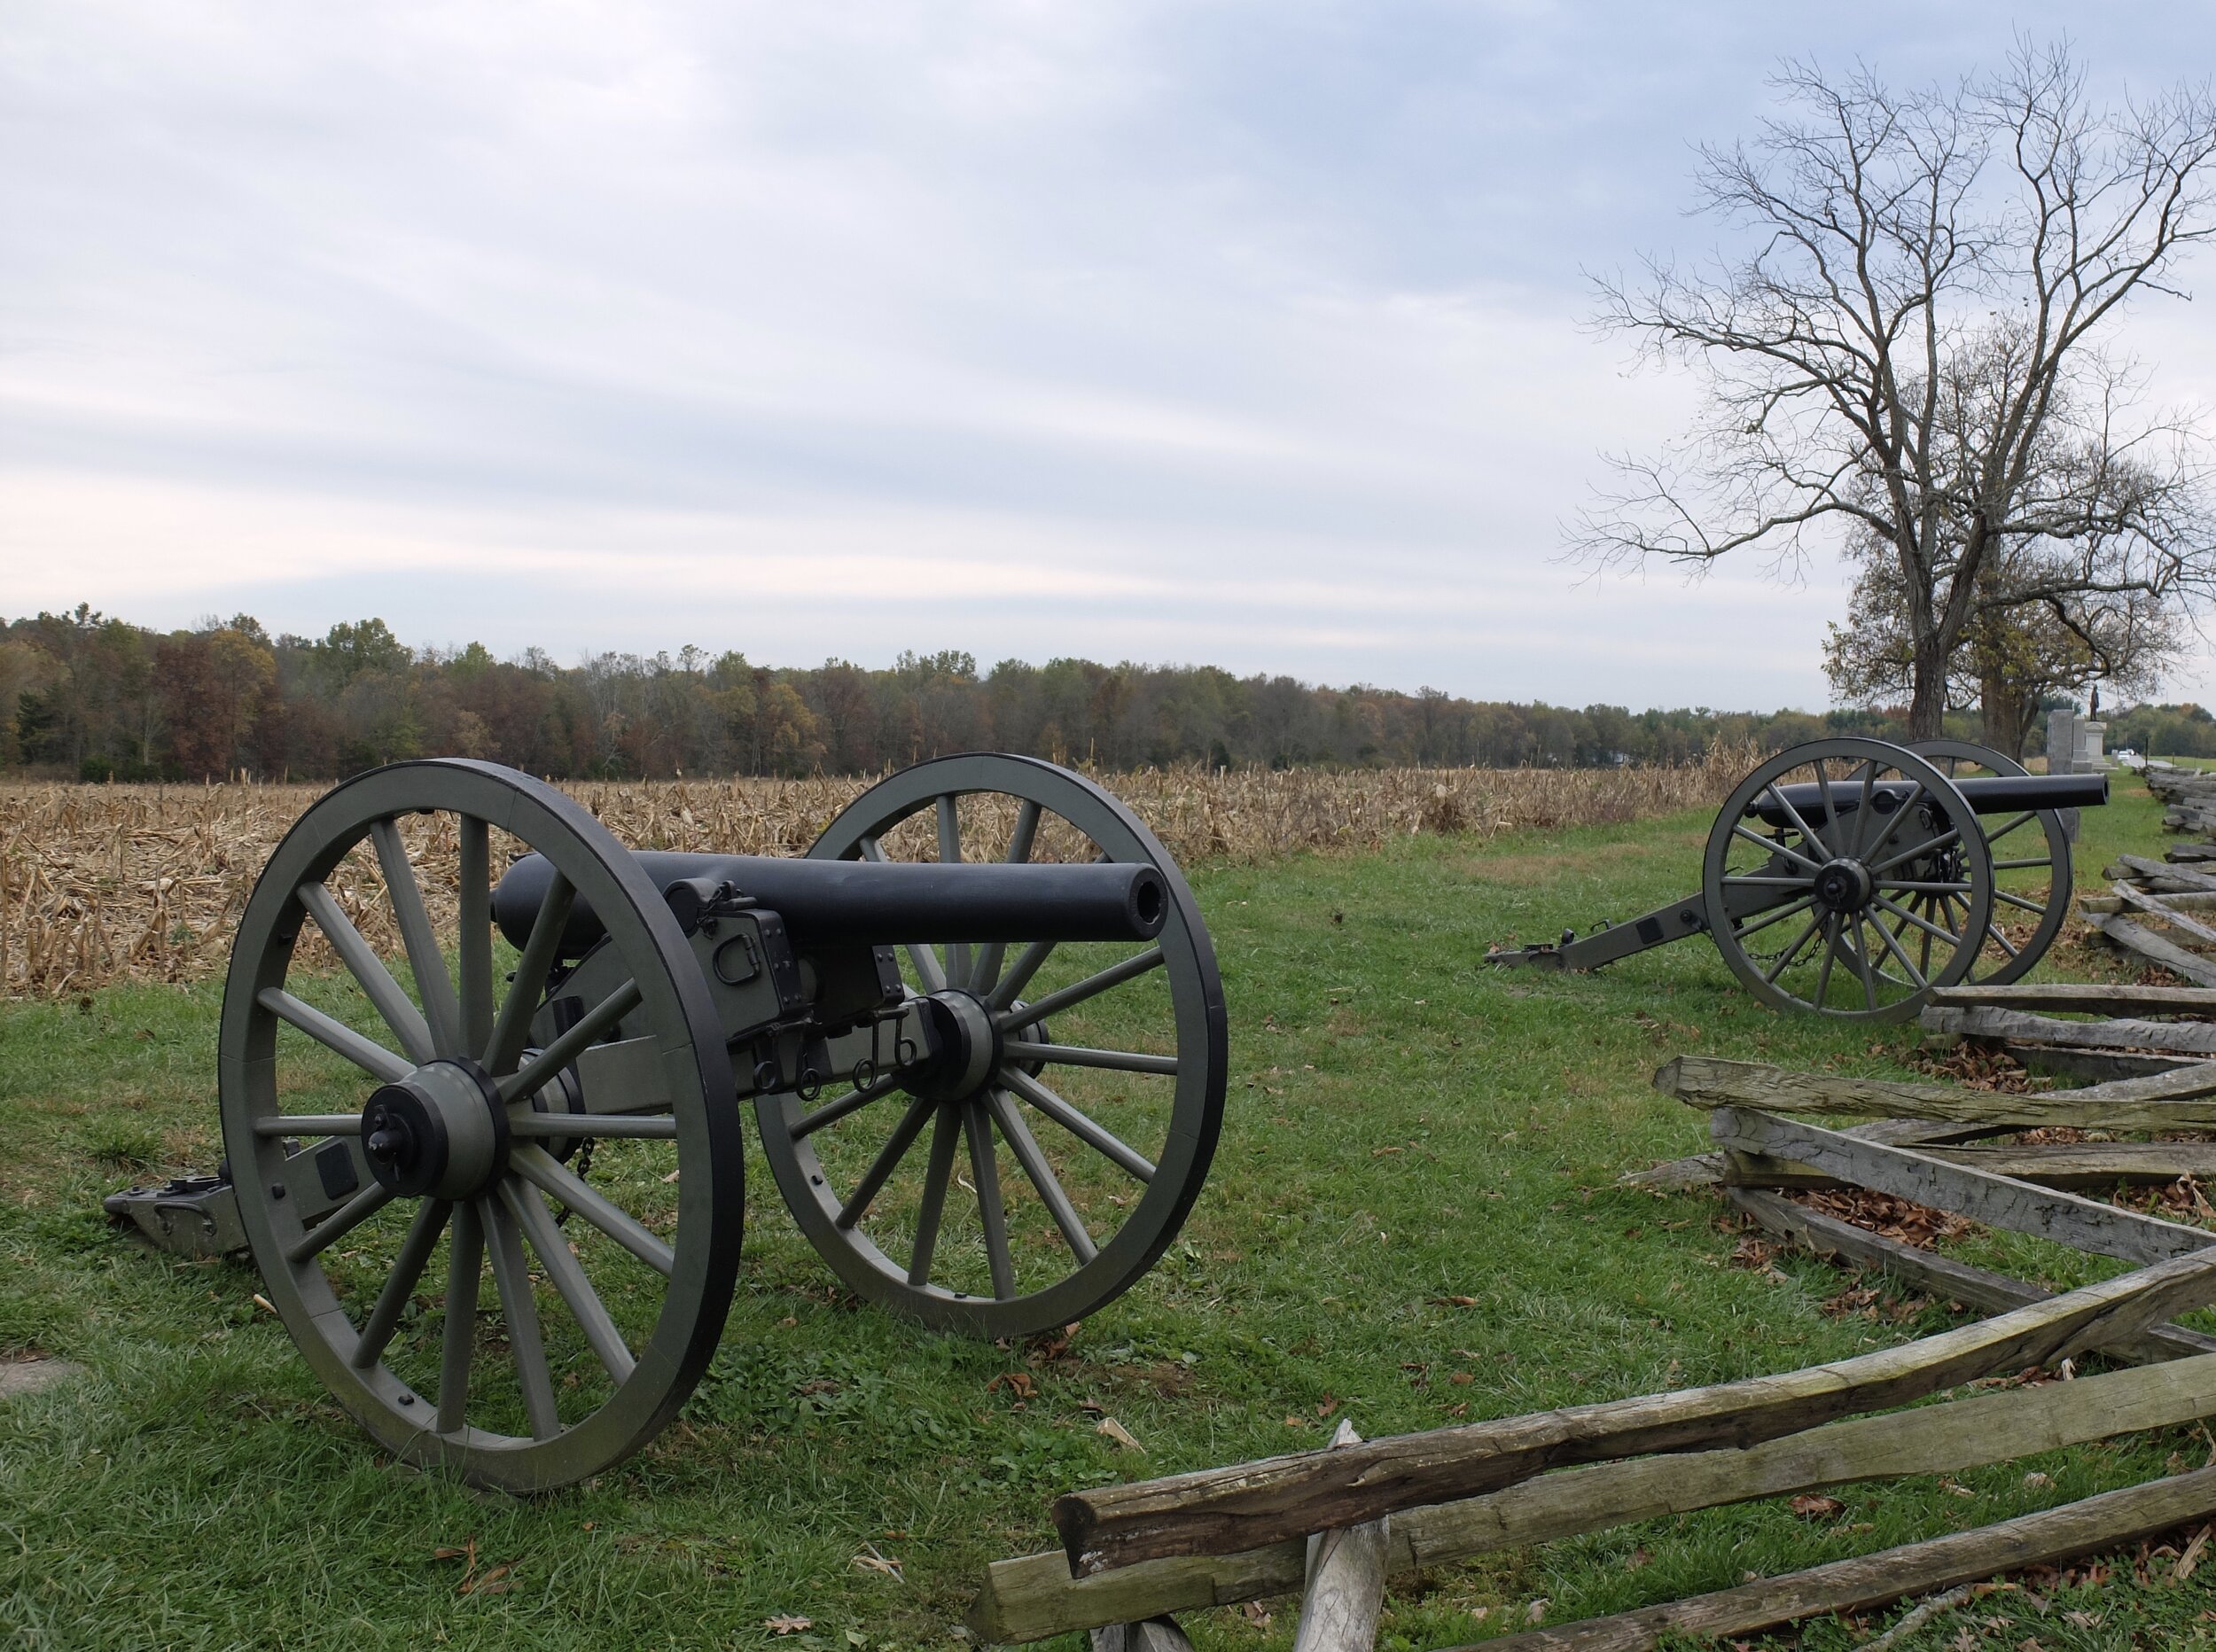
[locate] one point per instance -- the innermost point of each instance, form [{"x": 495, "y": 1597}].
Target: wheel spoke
[
  {"x": 2024, "y": 819},
  {"x": 1865, "y": 807},
  {"x": 1024, "y": 1146},
  {"x": 308, "y": 1124},
  {"x": 1830, "y": 956},
  {"x": 1853, "y": 927},
  {"x": 1075, "y": 1055},
  {"x": 1924, "y": 888},
  {"x": 1994, "y": 934},
  {"x": 530, "y": 1213},
  {"x": 1928, "y": 846},
  {"x": 426, "y": 960},
  {"x": 1008, "y": 986},
  {"x": 2045, "y": 860},
  {"x": 1776, "y": 915},
  {"x": 1091, "y": 986},
  {"x": 1892, "y": 945},
  {"x": 1076, "y": 1123},
  {"x": 985, "y": 1171},
  {"x": 555, "y": 1180},
  {"x": 458, "y": 1340},
  {"x": 365, "y": 1053},
  {"x": 1816, "y": 923},
  {"x": 1019, "y": 842},
  {"x": 2018, "y": 900},
  {"x": 414, "y": 1251},
  {"x": 340, "y": 1222},
  {"x": 512, "y": 1276},
  {"x": 950, "y": 852},
  {"x": 938, "y": 1172},
  {"x": 513, "y": 1029},
  {"x": 1769, "y": 845},
  {"x": 520, "y": 1086},
  {"x": 608, "y": 1126},
  {"x": 1925, "y": 925},
  {"x": 1821, "y": 844},
  {"x": 809, "y": 1124},
  {"x": 887, "y": 1161},
  {"x": 369, "y": 971},
  {"x": 1766, "y": 883},
  {"x": 474, "y": 954}
]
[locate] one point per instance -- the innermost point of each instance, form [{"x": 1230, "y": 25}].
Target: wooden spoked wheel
[
  {"x": 1811, "y": 868},
  {"x": 607, "y": 1294},
  {"x": 1053, "y": 1174},
  {"x": 2031, "y": 875}
]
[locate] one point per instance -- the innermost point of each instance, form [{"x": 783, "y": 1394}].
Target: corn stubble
[{"x": 100, "y": 883}]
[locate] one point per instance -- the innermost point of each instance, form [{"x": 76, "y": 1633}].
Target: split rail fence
[{"x": 1336, "y": 1525}]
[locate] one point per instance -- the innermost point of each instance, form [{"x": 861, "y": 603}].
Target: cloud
[{"x": 1211, "y": 332}]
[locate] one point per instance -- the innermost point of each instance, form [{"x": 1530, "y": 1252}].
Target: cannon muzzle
[
  {"x": 870, "y": 903},
  {"x": 1987, "y": 794}
]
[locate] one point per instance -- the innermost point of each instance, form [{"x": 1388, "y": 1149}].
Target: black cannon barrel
[
  {"x": 1986, "y": 794},
  {"x": 832, "y": 903}
]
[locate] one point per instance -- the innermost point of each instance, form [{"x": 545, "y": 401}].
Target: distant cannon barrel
[
  {"x": 832, "y": 903},
  {"x": 1987, "y": 794}
]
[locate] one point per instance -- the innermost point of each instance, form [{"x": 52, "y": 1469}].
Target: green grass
[{"x": 1406, "y": 1129}]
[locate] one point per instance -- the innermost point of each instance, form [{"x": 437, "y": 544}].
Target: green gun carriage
[
  {"x": 980, "y": 1024},
  {"x": 1851, "y": 878}
]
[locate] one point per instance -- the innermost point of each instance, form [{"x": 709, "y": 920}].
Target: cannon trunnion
[
  {"x": 1851, "y": 878},
  {"x": 980, "y": 1024}
]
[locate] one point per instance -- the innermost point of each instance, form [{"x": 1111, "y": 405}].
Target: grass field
[{"x": 1411, "y": 1221}]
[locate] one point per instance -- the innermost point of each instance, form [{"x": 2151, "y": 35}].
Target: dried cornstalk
[{"x": 108, "y": 883}]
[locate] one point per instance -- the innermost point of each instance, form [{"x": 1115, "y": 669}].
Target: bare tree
[{"x": 1913, "y": 348}]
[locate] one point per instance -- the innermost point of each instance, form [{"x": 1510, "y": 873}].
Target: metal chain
[{"x": 584, "y": 1169}]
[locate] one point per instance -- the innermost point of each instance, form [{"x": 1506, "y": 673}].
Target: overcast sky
[{"x": 1238, "y": 333}]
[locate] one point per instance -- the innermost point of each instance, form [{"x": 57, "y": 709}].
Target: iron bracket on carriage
[{"x": 1853, "y": 878}]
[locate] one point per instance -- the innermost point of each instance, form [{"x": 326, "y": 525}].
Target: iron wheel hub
[
  {"x": 439, "y": 1133},
  {"x": 1845, "y": 885},
  {"x": 969, "y": 1048}
]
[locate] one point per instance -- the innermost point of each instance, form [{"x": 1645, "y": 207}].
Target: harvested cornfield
[{"x": 99, "y": 884}]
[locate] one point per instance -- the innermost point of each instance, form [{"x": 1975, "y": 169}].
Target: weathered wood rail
[
  {"x": 1034, "y": 1597},
  {"x": 1132, "y": 1555}
]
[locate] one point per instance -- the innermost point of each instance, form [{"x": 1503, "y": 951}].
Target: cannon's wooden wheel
[
  {"x": 1050, "y": 1187},
  {"x": 1807, "y": 906},
  {"x": 603, "y": 1325},
  {"x": 2032, "y": 875}
]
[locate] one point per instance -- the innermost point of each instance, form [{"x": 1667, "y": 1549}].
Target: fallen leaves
[
  {"x": 1813, "y": 1506},
  {"x": 1912, "y": 1224},
  {"x": 499, "y": 1580},
  {"x": 873, "y": 1559},
  {"x": 1021, "y": 1385},
  {"x": 2189, "y": 1562},
  {"x": 787, "y": 1624}
]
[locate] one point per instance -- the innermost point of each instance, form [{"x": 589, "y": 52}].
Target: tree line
[{"x": 86, "y": 697}]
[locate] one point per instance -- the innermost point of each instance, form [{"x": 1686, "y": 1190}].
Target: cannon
[
  {"x": 980, "y": 1025},
  {"x": 1851, "y": 877}
]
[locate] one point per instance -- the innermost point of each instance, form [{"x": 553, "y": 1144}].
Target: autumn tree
[
  {"x": 2016, "y": 652},
  {"x": 1913, "y": 341}
]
